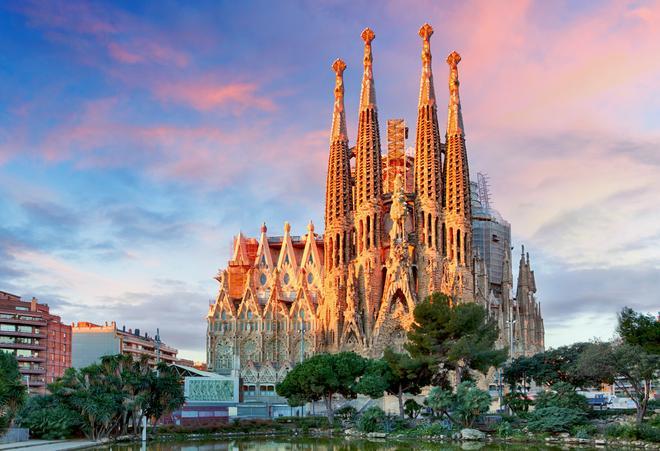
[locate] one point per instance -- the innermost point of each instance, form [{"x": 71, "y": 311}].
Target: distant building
[
  {"x": 519, "y": 318},
  {"x": 92, "y": 341},
  {"x": 491, "y": 234},
  {"x": 38, "y": 339}
]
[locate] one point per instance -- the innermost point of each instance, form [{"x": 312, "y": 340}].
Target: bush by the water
[
  {"x": 236, "y": 426},
  {"x": 371, "y": 420},
  {"x": 555, "y": 419},
  {"x": 48, "y": 419},
  {"x": 562, "y": 395},
  {"x": 584, "y": 431},
  {"x": 628, "y": 431},
  {"x": 346, "y": 413},
  {"x": 430, "y": 429}
]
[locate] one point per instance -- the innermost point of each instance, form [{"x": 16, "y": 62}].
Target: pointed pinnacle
[
  {"x": 368, "y": 92},
  {"x": 338, "y": 131},
  {"x": 426, "y": 89}
]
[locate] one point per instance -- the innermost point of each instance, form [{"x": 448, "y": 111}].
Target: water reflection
[{"x": 317, "y": 444}]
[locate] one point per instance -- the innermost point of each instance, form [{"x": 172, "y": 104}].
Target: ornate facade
[{"x": 397, "y": 228}]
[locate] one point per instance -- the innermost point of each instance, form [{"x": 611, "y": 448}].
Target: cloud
[
  {"x": 209, "y": 95},
  {"x": 580, "y": 304}
]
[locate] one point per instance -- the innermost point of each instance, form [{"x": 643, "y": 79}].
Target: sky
[{"x": 137, "y": 138}]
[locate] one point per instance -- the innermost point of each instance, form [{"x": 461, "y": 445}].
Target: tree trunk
[
  {"x": 644, "y": 402},
  {"x": 399, "y": 395},
  {"x": 459, "y": 374},
  {"x": 328, "y": 408}
]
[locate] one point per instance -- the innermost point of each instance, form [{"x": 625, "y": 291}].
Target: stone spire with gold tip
[
  {"x": 338, "y": 218},
  {"x": 368, "y": 194},
  {"x": 368, "y": 184},
  {"x": 428, "y": 182},
  {"x": 456, "y": 178},
  {"x": 338, "y": 203}
]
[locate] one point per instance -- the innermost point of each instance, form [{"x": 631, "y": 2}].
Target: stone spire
[
  {"x": 426, "y": 89},
  {"x": 454, "y": 117},
  {"x": 456, "y": 179},
  {"x": 457, "y": 175},
  {"x": 368, "y": 91},
  {"x": 427, "y": 149},
  {"x": 368, "y": 194},
  {"x": 428, "y": 183},
  {"x": 368, "y": 164},
  {"x": 338, "y": 185},
  {"x": 338, "y": 132}
]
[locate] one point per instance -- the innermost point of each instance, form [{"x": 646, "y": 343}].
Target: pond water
[{"x": 320, "y": 444}]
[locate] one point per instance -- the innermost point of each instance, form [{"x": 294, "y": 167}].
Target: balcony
[
  {"x": 32, "y": 371},
  {"x": 31, "y": 347},
  {"x": 11, "y": 333},
  {"x": 30, "y": 359},
  {"x": 39, "y": 322}
]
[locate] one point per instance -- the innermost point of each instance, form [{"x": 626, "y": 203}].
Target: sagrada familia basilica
[{"x": 398, "y": 227}]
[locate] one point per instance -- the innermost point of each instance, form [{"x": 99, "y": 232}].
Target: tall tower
[
  {"x": 338, "y": 215},
  {"x": 428, "y": 183},
  {"x": 457, "y": 277},
  {"x": 368, "y": 193}
]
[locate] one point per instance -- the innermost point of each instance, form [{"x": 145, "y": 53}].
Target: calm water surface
[{"x": 319, "y": 444}]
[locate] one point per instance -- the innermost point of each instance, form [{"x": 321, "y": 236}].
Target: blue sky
[{"x": 136, "y": 138}]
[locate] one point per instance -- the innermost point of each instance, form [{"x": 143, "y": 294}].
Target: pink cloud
[
  {"x": 139, "y": 51},
  {"x": 207, "y": 95},
  {"x": 122, "y": 54}
]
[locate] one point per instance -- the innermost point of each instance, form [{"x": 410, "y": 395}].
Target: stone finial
[
  {"x": 287, "y": 227},
  {"x": 310, "y": 226},
  {"x": 264, "y": 229},
  {"x": 339, "y": 66},
  {"x": 426, "y": 31},
  {"x": 368, "y": 35},
  {"x": 453, "y": 59}
]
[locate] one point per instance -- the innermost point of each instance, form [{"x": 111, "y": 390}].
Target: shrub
[
  {"x": 584, "y": 431},
  {"x": 555, "y": 419},
  {"x": 346, "y": 413},
  {"x": 432, "y": 429},
  {"x": 49, "y": 420},
  {"x": 412, "y": 408},
  {"x": 562, "y": 395},
  {"x": 504, "y": 429},
  {"x": 649, "y": 432},
  {"x": 372, "y": 420},
  {"x": 628, "y": 431},
  {"x": 518, "y": 402}
]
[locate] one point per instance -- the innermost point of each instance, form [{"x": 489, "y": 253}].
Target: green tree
[
  {"x": 396, "y": 374},
  {"x": 563, "y": 395},
  {"x": 321, "y": 377},
  {"x": 549, "y": 368},
  {"x": 412, "y": 408},
  {"x": 518, "y": 402},
  {"x": 628, "y": 367},
  {"x": 459, "y": 338},
  {"x": 49, "y": 419},
  {"x": 165, "y": 393},
  {"x": 112, "y": 397},
  {"x": 462, "y": 407},
  {"x": 12, "y": 390},
  {"x": 555, "y": 419},
  {"x": 638, "y": 329}
]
